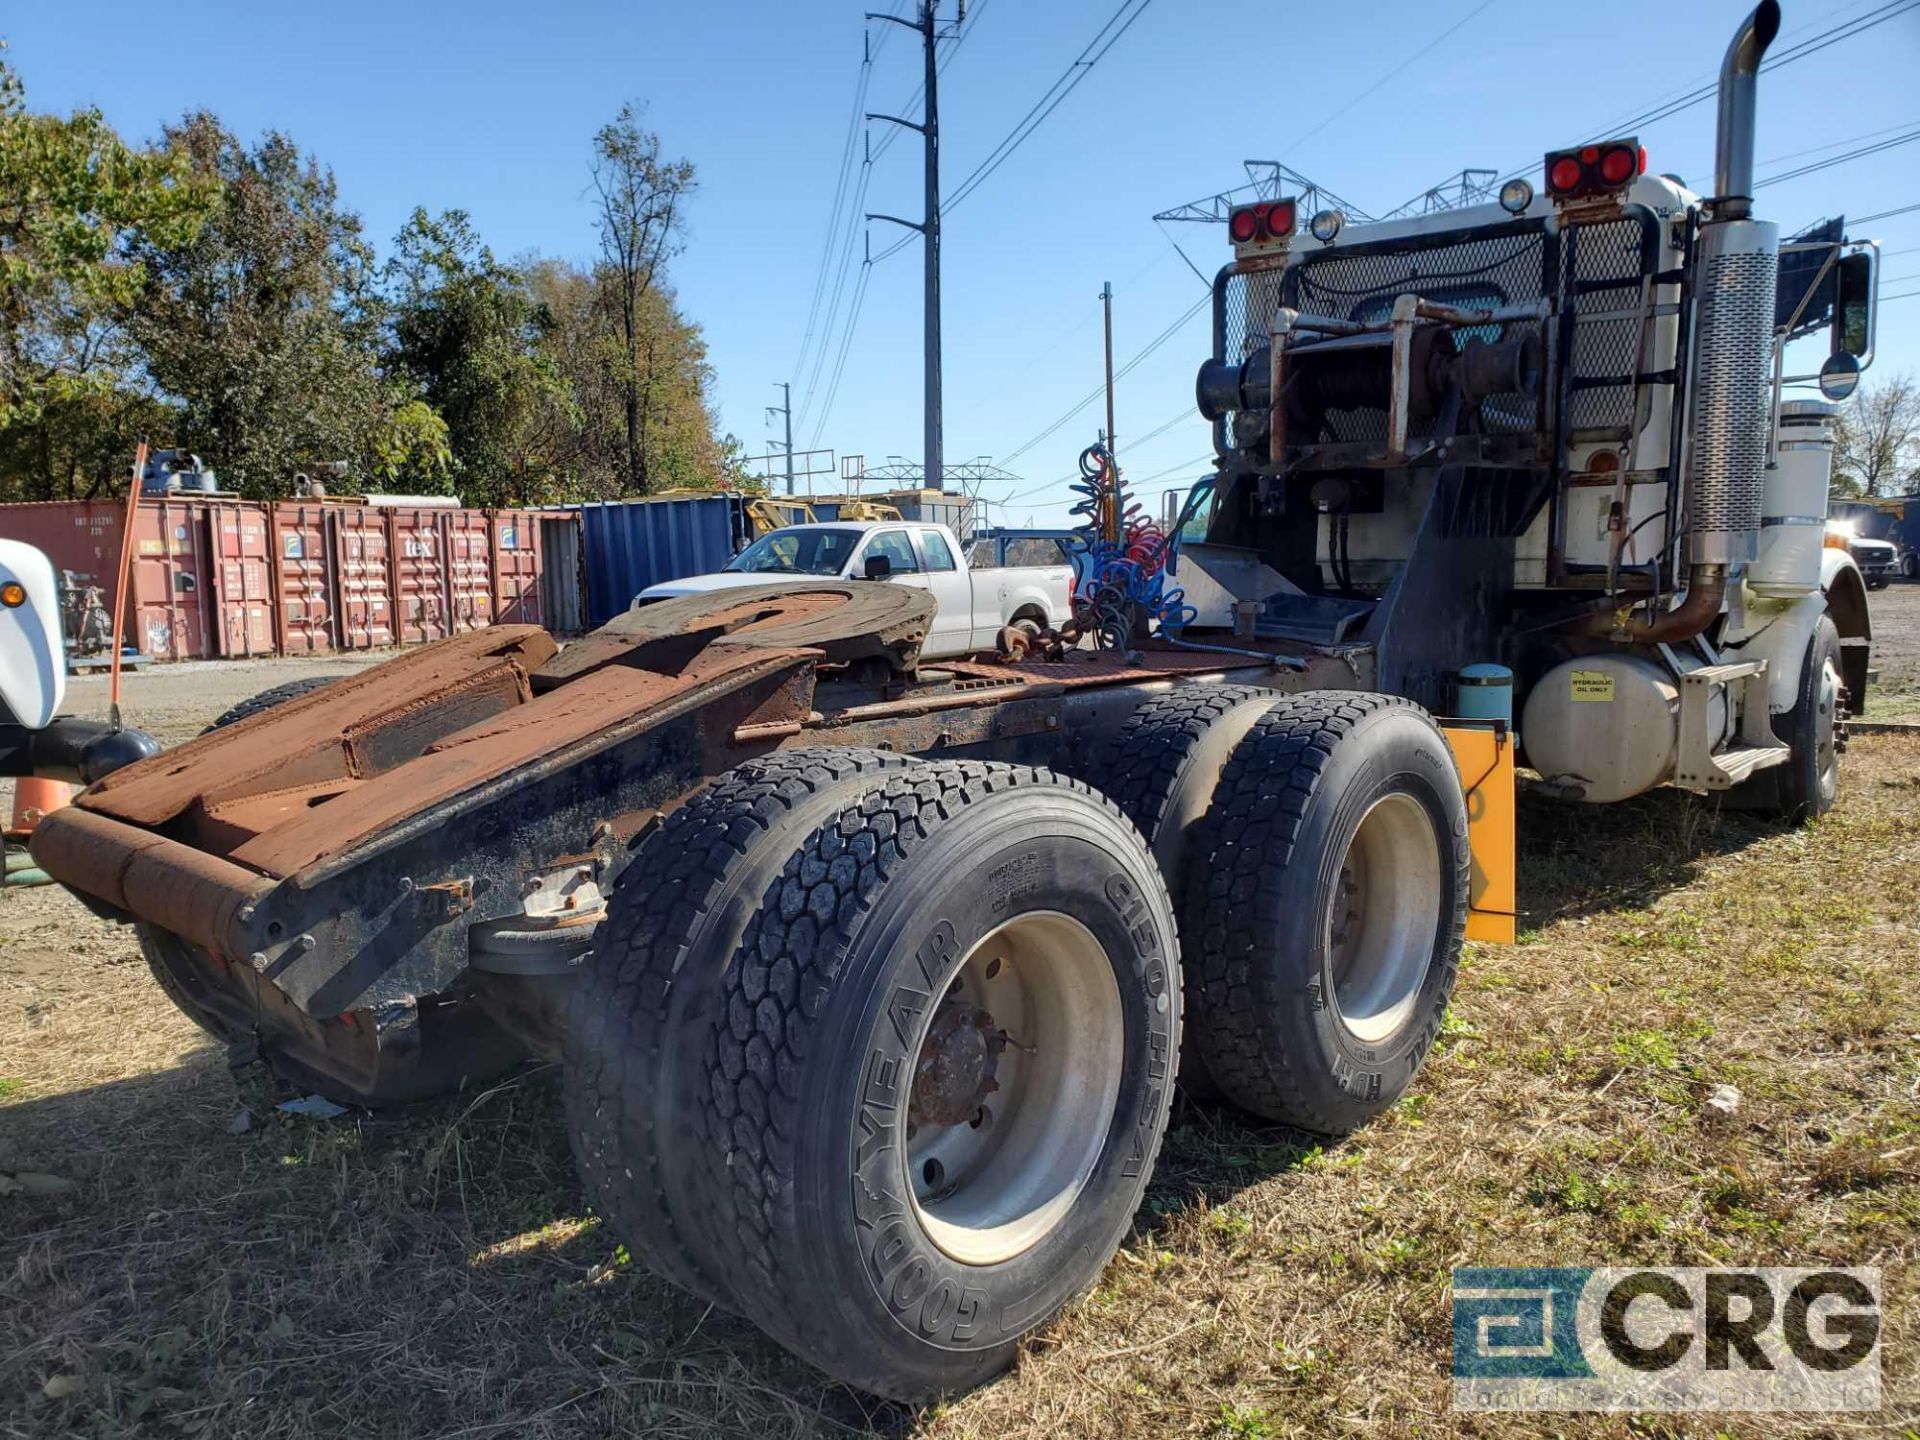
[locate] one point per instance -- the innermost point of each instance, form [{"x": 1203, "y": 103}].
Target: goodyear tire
[
  {"x": 942, "y": 1075},
  {"x": 1326, "y": 900},
  {"x": 1162, "y": 770},
  {"x": 648, "y": 995}
]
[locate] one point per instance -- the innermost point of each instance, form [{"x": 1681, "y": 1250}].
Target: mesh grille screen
[{"x": 1514, "y": 265}]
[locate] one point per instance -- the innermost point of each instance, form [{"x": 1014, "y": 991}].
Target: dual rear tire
[
  {"x": 1318, "y": 844},
  {"x": 878, "y": 1054}
]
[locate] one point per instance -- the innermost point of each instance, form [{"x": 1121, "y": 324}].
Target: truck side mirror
[
  {"x": 879, "y": 567},
  {"x": 1854, "y": 307}
]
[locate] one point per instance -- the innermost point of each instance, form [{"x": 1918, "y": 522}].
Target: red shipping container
[
  {"x": 238, "y": 577},
  {"x": 517, "y": 566}
]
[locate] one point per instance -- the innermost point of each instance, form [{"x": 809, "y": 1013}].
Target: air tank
[{"x": 1794, "y": 523}]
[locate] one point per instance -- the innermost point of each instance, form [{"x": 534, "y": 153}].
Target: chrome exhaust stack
[
  {"x": 1733, "y": 139},
  {"x": 1736, "y": 267}
]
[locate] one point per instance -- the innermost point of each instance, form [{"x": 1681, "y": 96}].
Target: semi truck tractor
[{"x": 872, "y": 979}]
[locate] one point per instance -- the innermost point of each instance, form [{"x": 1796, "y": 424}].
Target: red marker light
[
  {"x": 1589, "y": 154},
  {"x": 1563, "y": 176},
  {"x": 1618, "y": 165},
  {"x": 1243, "y": 225},
  {"x": 1280, "y": 219}
]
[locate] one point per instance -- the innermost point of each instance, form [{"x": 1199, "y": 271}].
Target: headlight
[
  {"x": 1515, "y": 196},
  {"x": 1326, "y": 225}
]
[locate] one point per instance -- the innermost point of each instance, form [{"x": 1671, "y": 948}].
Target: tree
[
  {"x": 74, "y": 394},
  {"x": 264, "y": 325},
  {"x": 639, "y": 196},
  {"x": 587, "y": 343},
  {"x": 469, "y": 333},
  {"x": 1877, "y": 439}
]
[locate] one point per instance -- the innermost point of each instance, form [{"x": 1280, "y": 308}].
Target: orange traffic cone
[{"x": 33, "y": 801}]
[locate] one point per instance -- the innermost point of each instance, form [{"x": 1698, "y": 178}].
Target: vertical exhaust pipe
[
  {"x": 1735, "y": 273},
  {"x": 1733, "y": 140}
]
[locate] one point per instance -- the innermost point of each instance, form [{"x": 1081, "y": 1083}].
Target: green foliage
[
  {"x": 469, "y": 333},
  {"x": 219, "y": 296},
  {"x": 263, "y": 325},
  {"x": 73, "y": 199}
]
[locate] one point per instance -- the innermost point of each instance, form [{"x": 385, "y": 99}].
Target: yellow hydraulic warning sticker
[{"x": 1593, "y": 685}]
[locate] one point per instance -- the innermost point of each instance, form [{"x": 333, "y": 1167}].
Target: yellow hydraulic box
[{"x": 1483, "y": 752}]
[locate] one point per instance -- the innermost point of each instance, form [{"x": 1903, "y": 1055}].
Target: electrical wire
[
  {"x": 1874, "y": 149},
  {"x": 1885, "y": 214},
  {"x": 1846, "y": 30},
  {"x": 1101, "y": 389},
  {"x": 1094, "y": 52}
]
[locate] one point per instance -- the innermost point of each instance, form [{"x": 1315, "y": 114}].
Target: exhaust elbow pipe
[
  {"x": 1706, "y": 588},
  {"x": 1733, "y": 142}
]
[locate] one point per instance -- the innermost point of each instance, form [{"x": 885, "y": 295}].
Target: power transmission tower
[
  {"x": 785, "y": 410},
  {"x": 929, "y": 228}
]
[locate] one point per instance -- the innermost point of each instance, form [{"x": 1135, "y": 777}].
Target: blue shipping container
[{"x": 631, "y": 544}]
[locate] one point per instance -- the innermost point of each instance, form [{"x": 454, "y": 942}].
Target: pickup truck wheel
[
  {"x": 652, "y": 981},
  {"x": 1161, "y": 770},
  {"x": 942, "y": 1075},
  {"x": 1326, "y": 900}
]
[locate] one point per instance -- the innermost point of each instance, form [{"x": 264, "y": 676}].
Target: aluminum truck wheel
[
  {"x": 1162, "y": 769},
  {"x": 968, "y": 943},
  {"x": 1326, "y": 900},
  {"x": 650, "y": 989},
  {"x": 1017, "y": 1071}
]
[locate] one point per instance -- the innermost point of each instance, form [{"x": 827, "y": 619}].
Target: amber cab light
[{"x": 13, "y": 594}]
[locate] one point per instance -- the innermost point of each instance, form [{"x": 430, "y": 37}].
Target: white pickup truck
[{"x": 974, "y": 604}]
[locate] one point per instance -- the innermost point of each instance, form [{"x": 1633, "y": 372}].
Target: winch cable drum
[{"x": 1353, "y": 372}]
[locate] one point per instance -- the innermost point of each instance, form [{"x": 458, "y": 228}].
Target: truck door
[{"x": 954, "y": 623}]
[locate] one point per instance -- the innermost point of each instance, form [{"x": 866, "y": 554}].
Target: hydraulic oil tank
[
  {"x": 1607, "y": 727},
  {"x": 1794, "y": 523}
]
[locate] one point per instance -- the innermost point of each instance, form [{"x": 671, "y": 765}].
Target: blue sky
[{"x": 491, "y": 107}]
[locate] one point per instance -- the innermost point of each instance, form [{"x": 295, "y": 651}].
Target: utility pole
[
  {"x": 785, "y": 410},
  {"x": 1106, "y": 304},
  {"x": 933, "y": 467}
]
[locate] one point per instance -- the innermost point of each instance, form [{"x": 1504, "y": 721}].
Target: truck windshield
[{"x": 798, "y": 552}]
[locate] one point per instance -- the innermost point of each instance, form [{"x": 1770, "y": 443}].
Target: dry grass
[{"x": 434, "y": 1273}]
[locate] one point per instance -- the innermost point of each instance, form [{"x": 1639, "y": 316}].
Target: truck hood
[{"x": 721, "y": 580}]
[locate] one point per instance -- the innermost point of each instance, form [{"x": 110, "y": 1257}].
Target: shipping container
[
  {"x": 217, "y": 578},
  {"x": 563, "y": 573},
  {"x": 631, "y": 544}
]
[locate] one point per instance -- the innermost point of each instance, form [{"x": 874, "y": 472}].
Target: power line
[
  {"x": 1846, "y": 30},
  {"x": 1104, "y": 40},
  {"x": 1885, "y": 214},
  {"x": 858, "y": 206},
  {"x": 1100, "y": 390},
  {"x": 1392, "y": 74},
  {"x": 1828, "y": 164},
  {"x": 836, "y": 211}
]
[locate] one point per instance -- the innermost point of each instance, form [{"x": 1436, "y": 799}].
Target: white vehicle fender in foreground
[{"x": 33, "y": 661}]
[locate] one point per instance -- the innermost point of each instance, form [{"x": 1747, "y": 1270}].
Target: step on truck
[{"x": 871, "y": 979}]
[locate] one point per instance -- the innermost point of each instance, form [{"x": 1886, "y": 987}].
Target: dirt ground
[
  {"x": 1896, "y": 652},
  {"x": 434, "y": 1272}
]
